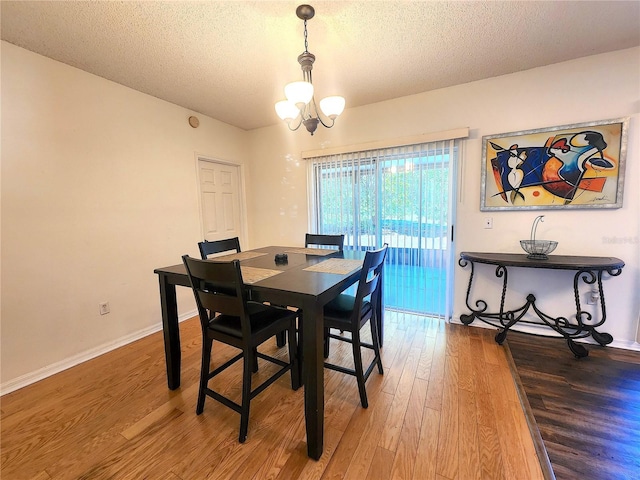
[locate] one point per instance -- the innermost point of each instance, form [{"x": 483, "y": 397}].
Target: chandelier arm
[
  {"x": 319, "y": 114},
  {"x": 306, "y": 113},
  {"x": 322, "y": 122},
  {"x": 298, "y": 125}
]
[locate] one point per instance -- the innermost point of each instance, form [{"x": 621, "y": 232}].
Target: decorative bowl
[{"x": 538, "y": 249}]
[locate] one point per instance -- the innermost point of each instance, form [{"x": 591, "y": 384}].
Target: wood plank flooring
[
  {"x": 586, "y": 409},
  {"x": 445, "y": 408}
]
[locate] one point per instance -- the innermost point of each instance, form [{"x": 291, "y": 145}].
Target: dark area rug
[{"x": 586, "y": 410}]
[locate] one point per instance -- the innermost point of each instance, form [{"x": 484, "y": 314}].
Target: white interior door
[{"x": 219, "y": 199}]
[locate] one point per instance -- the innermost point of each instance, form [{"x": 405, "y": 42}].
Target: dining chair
[
  {"x": 349, "y": 314},
  {"x": 324, "y": 240},
  {"x": 226, "y": 315},
  {"x": 317, "y": 240},
  {"x": 228, "y": 245},
  {"x": 218, "y": 246}
]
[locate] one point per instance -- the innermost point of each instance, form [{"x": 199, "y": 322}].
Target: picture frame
[{"x": 579, "y": 166}]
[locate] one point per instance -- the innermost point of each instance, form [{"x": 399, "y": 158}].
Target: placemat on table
[
  {"x": 239, "y": 256},
  {"x": 255, "y": 274},
  {"x": 312, "y": 251},
  {"x": 340, "y": 266}
]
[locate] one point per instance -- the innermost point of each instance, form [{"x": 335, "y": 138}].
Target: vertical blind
[{"x": 400, "y": 196}]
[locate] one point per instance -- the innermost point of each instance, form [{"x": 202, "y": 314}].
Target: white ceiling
[{"x": 231, "y": 59}]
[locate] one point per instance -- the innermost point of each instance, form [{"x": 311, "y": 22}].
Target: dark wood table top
[
  {"x": 559, "y": 262},
  {"x": 294, "y": 280}
]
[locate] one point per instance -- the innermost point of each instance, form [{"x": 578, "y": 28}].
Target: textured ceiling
[{"x": 231, "y": 59}]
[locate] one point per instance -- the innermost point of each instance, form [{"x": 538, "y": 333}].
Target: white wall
[
  {"x": 589, "y": 89},
  {"x": 98, "y": 188}
]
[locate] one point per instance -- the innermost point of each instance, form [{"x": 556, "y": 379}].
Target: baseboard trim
[
  {"x": 49, "y": 370},
  {"x": 543, "y": 331}
]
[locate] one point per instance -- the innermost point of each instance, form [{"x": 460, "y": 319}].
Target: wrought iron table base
[{"x": 588, "y": 269}]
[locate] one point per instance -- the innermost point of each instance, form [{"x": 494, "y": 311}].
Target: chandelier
[{"x": 300, "y": 106}]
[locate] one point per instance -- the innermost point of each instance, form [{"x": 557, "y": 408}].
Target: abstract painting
[{"x": 570, "y": 166}]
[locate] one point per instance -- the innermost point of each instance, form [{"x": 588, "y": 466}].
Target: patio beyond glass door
[{"x": 402, "y": 197}]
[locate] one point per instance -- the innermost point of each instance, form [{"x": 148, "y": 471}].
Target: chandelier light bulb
[
  {"x": 332, "y": 106},
  {"x": 287, "y": 111},
  {"x": 299, "y": 93}
]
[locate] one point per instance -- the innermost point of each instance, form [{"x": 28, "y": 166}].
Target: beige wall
[
  {"x": 588, "y": 89},
  {"x": 99, "y": 188}
]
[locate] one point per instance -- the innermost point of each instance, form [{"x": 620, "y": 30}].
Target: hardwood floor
[
  {"x": 445, "y": 408},
  {"x": 587, "y": 410}
]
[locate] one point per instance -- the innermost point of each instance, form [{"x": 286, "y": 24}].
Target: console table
[{"x": 588, "y": 269}]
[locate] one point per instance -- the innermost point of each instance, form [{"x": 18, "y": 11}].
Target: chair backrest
[
  {"x": 369, "y": 280},
  {"x": 218, "y": 246},
  {"x": 218, "y": 288},
  {"x": 324, "y": 240}
]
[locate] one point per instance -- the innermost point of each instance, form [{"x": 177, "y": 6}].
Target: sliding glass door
[{"x": 402, "y": 197}]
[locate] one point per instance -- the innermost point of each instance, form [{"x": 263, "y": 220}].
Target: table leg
[
  {"x": 313, "y": 375},
  {"x": 300, "y": 346},
  {"x": 169, "y": 306}
]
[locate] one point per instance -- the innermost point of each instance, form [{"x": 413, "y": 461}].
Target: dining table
[{"x": 306, "y": 278}]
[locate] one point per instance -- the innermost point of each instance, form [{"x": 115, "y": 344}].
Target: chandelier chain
[{"x": 306, "y": 43}]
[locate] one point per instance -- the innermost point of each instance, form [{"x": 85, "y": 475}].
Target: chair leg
[
  {"x": 376, "y": 343},
  {"x": 207, "y": 344},
  {"x": 246, "y": 395},
  {"x": 281, "y": 339},
  {"x": 293, "y": 358},
  {"x": 326, "y": 343},
  {"x": 255, "y": 360},
  {"x": 357, "y": 360}
]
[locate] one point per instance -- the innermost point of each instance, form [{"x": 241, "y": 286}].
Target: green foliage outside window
[{"x": 412, "y": 198}]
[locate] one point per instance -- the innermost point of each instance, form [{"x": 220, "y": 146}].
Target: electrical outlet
[
  {"x": 104, "y": 308},
  {"x": 592, "y": 297},
  {"x": 488, "y": 222}
]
